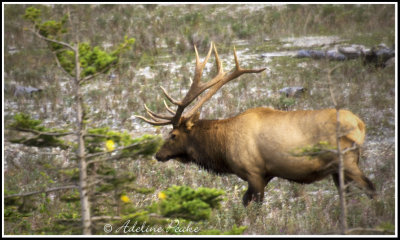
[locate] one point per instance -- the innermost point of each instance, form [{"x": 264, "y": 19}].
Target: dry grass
[{"x": 288, "y": 208}]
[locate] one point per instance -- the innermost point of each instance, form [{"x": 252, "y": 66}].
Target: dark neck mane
[{"x": 207, "y": 146}]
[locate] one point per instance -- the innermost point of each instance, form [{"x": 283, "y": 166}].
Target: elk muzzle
[{"x": 161, "y": 156}]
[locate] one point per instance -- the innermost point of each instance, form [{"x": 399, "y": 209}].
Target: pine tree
[{"x": 97, "y": 187}]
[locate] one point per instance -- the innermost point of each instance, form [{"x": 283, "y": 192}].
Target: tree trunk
[
  {"x": 85, "y": 204},
  {"x": 343, "y": 207}
]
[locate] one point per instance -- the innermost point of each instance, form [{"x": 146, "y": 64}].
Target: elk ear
[{"x": 192, "y": 120}]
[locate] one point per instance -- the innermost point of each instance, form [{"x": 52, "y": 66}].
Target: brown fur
[{"x": 259, "y": 144}]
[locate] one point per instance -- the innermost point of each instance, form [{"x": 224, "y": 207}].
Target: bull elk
[{"x": 260, "y": 143}]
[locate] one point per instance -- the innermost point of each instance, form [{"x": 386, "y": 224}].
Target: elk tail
[{"x": 357, "y": 134}]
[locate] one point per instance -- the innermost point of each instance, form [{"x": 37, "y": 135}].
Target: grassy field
[{"x": 163, "y": 55}]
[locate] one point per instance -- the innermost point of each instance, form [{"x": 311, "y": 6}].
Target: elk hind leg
[
  {"x": 353, "y": 172},
  {"x": 362, "y": 181}
]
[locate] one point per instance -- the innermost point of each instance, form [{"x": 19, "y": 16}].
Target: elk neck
[{"x": 207, "y": 145}]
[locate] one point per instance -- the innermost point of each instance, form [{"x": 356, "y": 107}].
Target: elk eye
[{"x": 173, "y": 136}]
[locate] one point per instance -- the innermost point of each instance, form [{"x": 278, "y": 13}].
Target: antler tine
[
  {"x": 197, "y": 88},
  {"x": 171, "y": 99},
  {"x": 200, "y": 65},
  {"x": 168, "y": 108},
  {"x": 217, "y": 82},
  {"x": 236, "y": 59},
  {"x": 154, "y": 115},
  {"x": 157, "y": 119},
  {"x": 241, "y": 70},
  {"x": 218, "y": 61},
  {"x": 194, "y": 91},
  {"x": 155, "y": 123},
  {"x": 217, "y": 78}
]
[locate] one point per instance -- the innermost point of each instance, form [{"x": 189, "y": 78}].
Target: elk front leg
[
  {"x": 247, "y": 197},
  {"x": 335, "y": 178},
  {"x": 255, "y": 190}
]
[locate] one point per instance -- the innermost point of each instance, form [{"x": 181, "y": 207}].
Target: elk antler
[{"x": 196, "y": 89}]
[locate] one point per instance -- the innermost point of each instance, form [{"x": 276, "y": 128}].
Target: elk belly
[
  {"x": 296, "y": 160},
  {"x": 305, "y": 169}
]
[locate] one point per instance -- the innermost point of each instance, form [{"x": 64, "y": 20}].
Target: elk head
[{"x": 175, "y": 145}]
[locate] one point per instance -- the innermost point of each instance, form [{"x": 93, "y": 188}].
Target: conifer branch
[{"x": 42, "y": 191}]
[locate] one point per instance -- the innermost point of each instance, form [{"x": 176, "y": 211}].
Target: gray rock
[
  {"x": 334, "y": 55},
  {"x": 351, "y": 52},
  {"x": 22, "y": 90},
  {"x": 378, "y": 56},
  {"x": 292, "y": 91}
]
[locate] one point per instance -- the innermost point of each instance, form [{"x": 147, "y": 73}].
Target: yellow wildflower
[
  {"x": 110, "y": 145},
  {"x": 125, "y": 199},
  {"x": 162, "y": 195}
]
